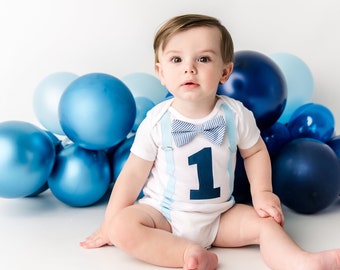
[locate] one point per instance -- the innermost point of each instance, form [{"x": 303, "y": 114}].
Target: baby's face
[{"x": 191, "y": 64}]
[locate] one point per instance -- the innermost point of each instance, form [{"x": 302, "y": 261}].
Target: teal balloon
[
  {"x": 299, "y": 81},
  {"x": 146, "y": 85},
  {"x": 312, "y": 121},
  {"x": 46, "y": 99},
  {"x": 97, "y": 111},
  {"x": 27, "y": 155},
  {"x": 143, "y": 105},
  {"x": 80, "y": 177}
]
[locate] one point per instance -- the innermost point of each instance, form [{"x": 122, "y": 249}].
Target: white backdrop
[{"x": 40, "y": 37}]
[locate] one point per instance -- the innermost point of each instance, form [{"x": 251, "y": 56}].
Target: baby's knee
[{"x": 120, "y": 228}]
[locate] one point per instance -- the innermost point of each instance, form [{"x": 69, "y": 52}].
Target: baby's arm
[
  {"x": 258, "y": 167},
  {"x": 125, "y": 192}
]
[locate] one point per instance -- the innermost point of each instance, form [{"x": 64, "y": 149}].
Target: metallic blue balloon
[
  {"x": 312, "y": 121},
  {"x": 119, "y": 157},
  {"x": 306, "y": 175},
  {"x": 27, "y": 155},
  {"x": 275, "y": 137},
  {"x": 80, "y": 177},
  {"x": 259, "y": 84},
  {"x": 97, "y": 111}
]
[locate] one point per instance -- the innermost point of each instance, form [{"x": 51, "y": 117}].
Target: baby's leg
[
  {"x": 242, "y": 226},
  {"x": 144, "y": 233}
]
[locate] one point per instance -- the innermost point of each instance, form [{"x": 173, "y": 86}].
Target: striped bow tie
[{"x": 183, "y": 132}]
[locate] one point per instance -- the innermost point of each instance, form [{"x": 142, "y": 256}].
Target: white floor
[{"x": 42, "y": 233}]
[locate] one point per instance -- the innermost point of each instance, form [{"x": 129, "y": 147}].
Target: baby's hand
[
  {"x": 96, "y": 240},
  {"x": 267, "y": 204}
]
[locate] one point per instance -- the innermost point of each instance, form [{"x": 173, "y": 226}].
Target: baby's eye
[
  {"x": 176, "y": 59},
  {"x": 203, "y": 59}
]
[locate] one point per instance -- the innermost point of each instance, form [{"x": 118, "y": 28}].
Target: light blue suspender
[
  {"x": 231, "y": 134},
  {"x": 165, "y": 123}
]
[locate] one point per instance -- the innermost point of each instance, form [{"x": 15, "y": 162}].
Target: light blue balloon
[
  {"x": 299, "y": 81},
  {"x": 46, "y": 99},
  {"x": 143, "y": 105},
  {"x": 97, "y": 111},
  {"x": 80, "y": 177},
  {"x": 146, "y": 85},
  {"x": 27, "y": 155}
]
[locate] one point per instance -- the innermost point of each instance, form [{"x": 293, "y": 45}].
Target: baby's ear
[
  {"x": 159, "y": 71},
  {"x": 228, "y": 69}
]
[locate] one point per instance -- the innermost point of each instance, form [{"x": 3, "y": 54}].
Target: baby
[{"x": 183, "y": 158}]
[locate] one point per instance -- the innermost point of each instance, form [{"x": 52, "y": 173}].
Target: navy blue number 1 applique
[{"x": 203, "y": 160}]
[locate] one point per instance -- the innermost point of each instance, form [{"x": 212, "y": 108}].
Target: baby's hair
[{"x": 188, "y": 21}]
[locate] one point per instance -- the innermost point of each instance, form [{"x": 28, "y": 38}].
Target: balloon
[
  {"x": 145, "y": 85},
  {"x": 57, "y": 144},
  {"x": 241, "y": 190},
  {"x": 312, "y": 121},
  {"x": 119, "y": 157},
  {"x": 259, "y": 84},
  {"x": 97, "y": 111},
  {"x": 306, "y": 175},
  {"x": 80, "y": 177},
  {"x": 276, "y": 136},
  {"x": 299, "y": 79},
  {"x": 143, "y": 105},
  {"x": 334, "y": 143},
  {"x": 46, "y": 99},
  {"x": 42, "y": 189},
  {"x": 27, "y": 156}
]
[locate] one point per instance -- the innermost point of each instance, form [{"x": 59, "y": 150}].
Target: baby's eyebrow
[
  {"x": 171, "y": 52},
  {"x": 208, "y": 51},
  {"x": 199, "y": 52}
]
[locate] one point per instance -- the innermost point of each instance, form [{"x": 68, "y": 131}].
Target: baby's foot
[
  {"x": 326, "y": 260},
  {"x": 198, "y": 258}
]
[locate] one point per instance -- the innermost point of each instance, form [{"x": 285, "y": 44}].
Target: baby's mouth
[{"x": 190, "y": 83}]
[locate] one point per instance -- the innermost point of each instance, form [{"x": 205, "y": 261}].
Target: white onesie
[{"x": 192, "y": 185}]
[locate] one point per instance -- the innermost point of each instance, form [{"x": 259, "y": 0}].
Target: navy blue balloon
[
  {"x": 241, "y": 190},
  {"x": 312, "y": 121},
  {"x": 80, "y": 177},
  {"x": 334, "y": 143},
  {"x": 27, "y": 155},
  {"x": 259, "y": 84},
  {"x": 275, "y": 137},
  {"x": 97, "y": 111},
  {"x": 306, "y": 175}
]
